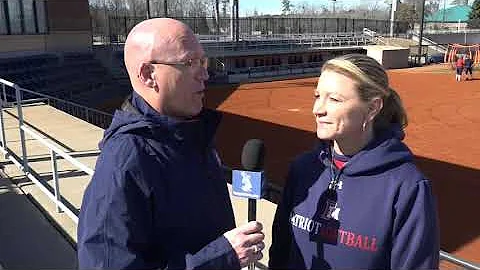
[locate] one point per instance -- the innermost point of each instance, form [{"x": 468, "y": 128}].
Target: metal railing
[
  {"x": 378, "y": 39},
  {"x": 441, "y": 48},
  {"x": 457, "y": 261},
  {"x": 273, "y": 192},
  {"x": 115, "y": 27},
  {"x": 55, "y": 152}
]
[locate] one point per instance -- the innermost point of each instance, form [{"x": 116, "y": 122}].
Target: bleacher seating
[
  {"x": 289, "y": 42},
  {"x": 77, "y": 77}
]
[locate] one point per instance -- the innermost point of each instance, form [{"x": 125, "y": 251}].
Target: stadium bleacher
[
  {"x": 282, "y": 42},
  {"x": 77, "y": 77}
]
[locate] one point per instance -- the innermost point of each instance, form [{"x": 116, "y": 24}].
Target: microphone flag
[{"x": 247, "y": 184}]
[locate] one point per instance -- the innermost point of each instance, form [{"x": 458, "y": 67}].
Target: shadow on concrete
[
  {"x": 22, "y": 181},
  {"x": 43, "y": 133},
  {"x": 28, "y": 240},
  {"x": 282, "y": 143},
  {"x": 455, "y": 187}
]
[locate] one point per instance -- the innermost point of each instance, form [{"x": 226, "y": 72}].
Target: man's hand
[{"x": 247, "y": 241}]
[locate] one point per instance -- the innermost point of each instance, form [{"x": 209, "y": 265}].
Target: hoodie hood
[
  {"x": 385, "y": 151},
  {"x": 137, "y": 117}
]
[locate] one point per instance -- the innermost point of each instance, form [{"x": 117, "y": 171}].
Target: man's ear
[
  {"x": 374, "y": 107},
  {"x": 146, "y": 75}
]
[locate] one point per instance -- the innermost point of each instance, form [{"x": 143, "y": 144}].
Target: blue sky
[{"x": 275, "y": 6}]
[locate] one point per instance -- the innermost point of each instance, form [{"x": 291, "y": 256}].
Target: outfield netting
[{"x": 455, "y": 51}]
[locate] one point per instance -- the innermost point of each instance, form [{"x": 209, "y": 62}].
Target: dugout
[{"x": 389, "y": 56}]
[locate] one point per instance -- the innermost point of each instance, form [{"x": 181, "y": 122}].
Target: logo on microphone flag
[{"x": 247, "y": 184}]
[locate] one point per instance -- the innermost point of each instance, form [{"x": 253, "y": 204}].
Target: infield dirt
[{"x": 443, "y": 133}]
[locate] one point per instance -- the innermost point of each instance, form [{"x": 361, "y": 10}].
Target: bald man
[{"x": 158, "y": 198}]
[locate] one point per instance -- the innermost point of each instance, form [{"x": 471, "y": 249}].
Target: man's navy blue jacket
[
  {"x": 381, "y": 214},
  {"x": 158, "y": 198}
]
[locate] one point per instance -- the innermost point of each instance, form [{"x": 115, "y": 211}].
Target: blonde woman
[{"x": 357, "y": 201}]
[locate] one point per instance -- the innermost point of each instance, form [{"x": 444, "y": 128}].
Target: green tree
[
  {"x": 286, "y": 6},
  {"x": 406, "y": 12},
  {"x": 474, "y": 16}
]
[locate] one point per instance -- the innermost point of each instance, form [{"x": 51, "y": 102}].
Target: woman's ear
[
  {"x": 374, "y": 107},
  {"x": 146, "y": 75}
]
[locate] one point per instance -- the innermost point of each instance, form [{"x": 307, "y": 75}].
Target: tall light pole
[
  {"x": 107, "y": 21},
  {"x": 148, "y": 9},
  {"x": 165, "y": 8},
  {"x": 237, "y": 22},
  {"x": 420, "y": 36},
  {"x": 392, "y": 17},
  {"x": 444, "y": 3},
  {"x": 217, "y": 17},
  {"x": 232, "y": 20},
  {"x": 333, "y": 5}
]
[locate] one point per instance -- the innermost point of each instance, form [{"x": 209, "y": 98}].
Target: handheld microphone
[{"x": 248, "y": 183}]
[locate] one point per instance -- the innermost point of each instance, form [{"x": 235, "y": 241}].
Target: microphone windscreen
[{"x": 253, "y": 154}]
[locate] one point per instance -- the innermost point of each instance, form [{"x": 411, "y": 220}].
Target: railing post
[
  {"x": 20, "y": 124},
  {"x": 4, "y": 141},
  {"x": 53, "y": 157},
  {"x": 4, "y": 92}
]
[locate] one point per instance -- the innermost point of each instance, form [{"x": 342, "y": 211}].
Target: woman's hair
[{"x": 372, "y": 81}]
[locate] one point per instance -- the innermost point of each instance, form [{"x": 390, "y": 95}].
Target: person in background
[
  {"x": 468, "y": 63},
  {"x": 459, "y": 64},
  {"x": 357, "y": 201},
  {"x": 158, "y": 198}
]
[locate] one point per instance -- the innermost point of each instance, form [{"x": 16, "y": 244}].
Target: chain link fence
[{"x": 116, "y": 28}]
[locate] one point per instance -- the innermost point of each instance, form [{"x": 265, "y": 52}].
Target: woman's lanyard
[{"x": 334, "y": 174}]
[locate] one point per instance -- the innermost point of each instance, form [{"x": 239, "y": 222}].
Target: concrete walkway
[
  {"x": 27, "y": 239},
  {"x": 79, "y": 139}
]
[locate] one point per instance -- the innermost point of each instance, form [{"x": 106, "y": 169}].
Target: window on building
[
  {"x": 29, "y": 17},
  {"x": 15, "y": 16},
  {"x": 41, "y": 16},
  {"x": 3, "y": 19},
  {"x": 22, "y": 17}
]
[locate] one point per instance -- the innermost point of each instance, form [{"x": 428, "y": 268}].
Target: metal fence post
[
  {"x": 20, "y": 124},
  {"x": 2, "y": 123},
  {"x": 4, "y": 92},
  {"x": 53, "y": 157}
]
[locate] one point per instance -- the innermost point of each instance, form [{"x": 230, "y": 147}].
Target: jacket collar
[{"x": 137, "y": 116}]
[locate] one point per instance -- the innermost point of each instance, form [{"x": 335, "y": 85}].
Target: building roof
[{"x": 452, "y": 14}]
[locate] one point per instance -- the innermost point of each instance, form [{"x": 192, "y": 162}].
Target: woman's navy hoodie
[
  {"x": 158, "y": 198},
  {"x": 381, "y": 215}
]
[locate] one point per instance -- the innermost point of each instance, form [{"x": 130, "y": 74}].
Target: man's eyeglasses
[{"x": 190, "y": 63}]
